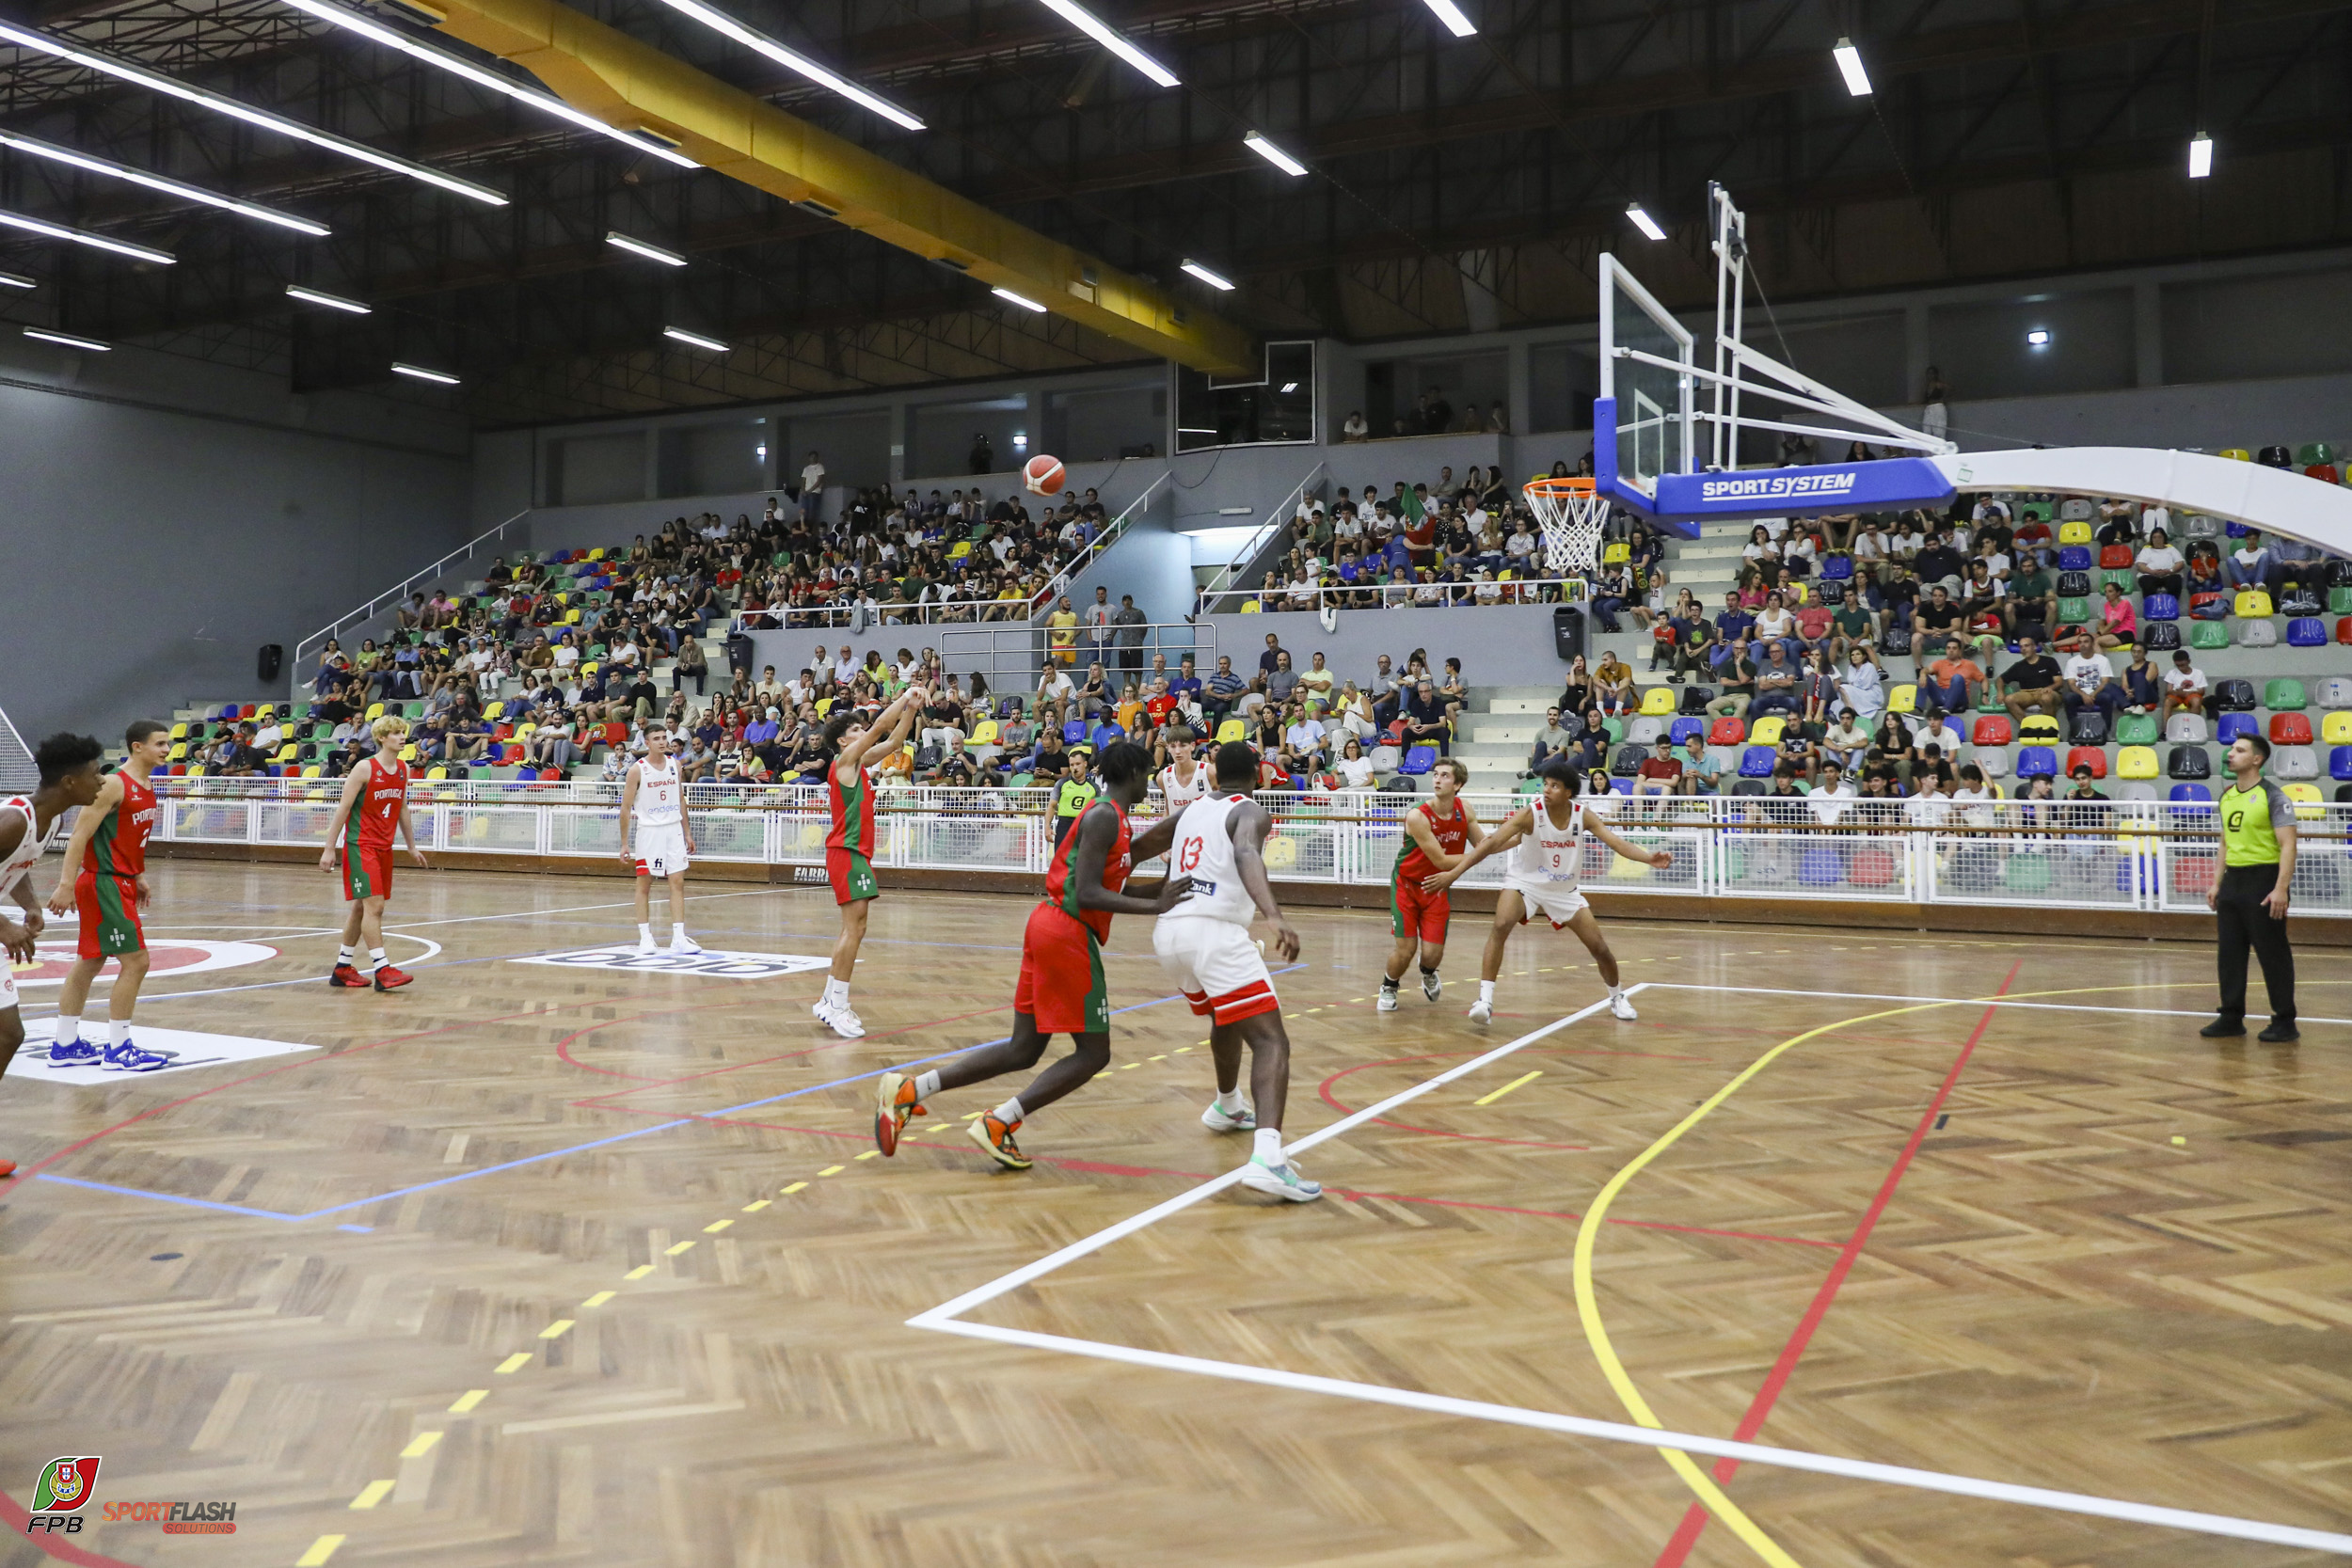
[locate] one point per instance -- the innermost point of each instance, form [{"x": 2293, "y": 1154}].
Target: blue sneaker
[
  {"x": 128, "y": 1058},
  {"x": 75, "y": 1054}
]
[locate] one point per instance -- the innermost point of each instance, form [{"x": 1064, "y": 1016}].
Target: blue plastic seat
[
  {"x": 2159, "y": 607},
  {"x": 2075, "y": 558},
  {"x": 1820, "y": 867},
  {"x": 1419, "y": 760},
  {"x": 2235, "y": 726},
  {"x": 1075, "y": 733},
  {"x": 2340, "y": 762},
  {"x": 2191, "y": 792},
  {"x": 2037, "y": 762},
  {"x": 2307, "y": 631},
  {"x": 1757, "y": 762},
  {"x": 1687, "y": 729},
  {"x": 1837, "y": 568}
]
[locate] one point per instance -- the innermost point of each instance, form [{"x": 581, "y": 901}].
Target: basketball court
[{"x": 554, "y": 1261}]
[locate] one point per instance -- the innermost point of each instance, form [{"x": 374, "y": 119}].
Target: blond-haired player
[
  {"x": 359, "y": 845},
  {"x": 653, "y": 803}
]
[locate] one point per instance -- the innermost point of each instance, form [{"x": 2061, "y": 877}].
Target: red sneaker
[
  {"x": 389, "y": 979},
  {"x": 8, "y": 1169},
  {"x": 346, "y": 975},
  {"x": 894, "y": 1102}
]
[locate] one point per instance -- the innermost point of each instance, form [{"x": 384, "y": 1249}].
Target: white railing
[
  {"x": 305, "y": 650},
  {"x": 2121, "y": 856},
  {"x": 1396, "y": 595},
  {"x": 1279, "y": 517},
  {"x": 1110, "y": 536}
]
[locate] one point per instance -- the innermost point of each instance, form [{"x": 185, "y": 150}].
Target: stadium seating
[
  {"x": 2136, "y": 762},
  {"x": 2092, "y": 757},
  {"x": 2037, "y": 762},
  {"x": 2290, "y": 729},
  {"x": 2236, "y": 725}
]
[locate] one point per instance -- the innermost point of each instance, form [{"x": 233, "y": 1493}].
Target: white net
[{"x": 1570, "y": 513}]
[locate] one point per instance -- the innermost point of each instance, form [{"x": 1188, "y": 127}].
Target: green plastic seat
[
  {"x": 2314, "y": 451},
  {"x": 2135, "y": 729},
  {"x": 2118, "y": 575},
  {"x": 2073, "y": 612},
  {"x": 2340, "y": 601},
  {"x": 2208, "y": 634},
  {"x": 2285, "y": 695},
  {"x": 2027, "y": 874},
  {"x": 1615, "y": 728}
]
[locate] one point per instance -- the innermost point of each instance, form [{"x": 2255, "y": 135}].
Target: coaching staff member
[{"x": 2250, "y": 899}]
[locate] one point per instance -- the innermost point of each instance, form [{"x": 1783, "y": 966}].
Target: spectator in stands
[
  {"x": 2085, "y": 790},
  {"x": 2249, "y": 565},
  {"x": 982, "y": 457},
  {"x": 1305, "y": 742},
  {"x": 2119, "y": 624},
  {"x": 2183, "y": 687},
  {"x": 2159, "y": 565},
  {"x": 1280, "y": 681},
  {"x": 1574, "y": 693},
  {"x": 1933, "y": 623},
  {"x": 1129, "y": 623},
  {"x": 1055, "y": 685},
  {"x": 1737, "y": 674},
  {"x": 1777, "y": 678},
  {"x": 550, "y": 744},
  {"x": 2032, "y": 683},
  {"x": 1612, "y": 684},
  {"x": 1225, "y": 689},
  {"x": 692, "y": 664},
  {"x": 1354, "y": 428},
  {"x": 1093, "y": 696},
  {"x": 1847, "y": 743},
  {"x": 1950, "y": 679},
  {"x": 2091, "y": 683},
  {"x": 1425, "y": 721},
  {"x": 1549, "y": 739},
  {"x": 1051, "y": 761},
  {"x": 1659, "y": 773},
  {"x": 1316, "y": 686}
]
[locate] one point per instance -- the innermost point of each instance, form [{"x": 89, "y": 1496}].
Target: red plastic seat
[
  {"x": 2343, "y": 630},
  {"x": 1727, "y": 732},
  {"x": 1872, "y": 868},
  {"x": 616, "y": 734},
  {"x": 1992, "y": 729},
  {"x": 2092, "y": 757},
  {"x": 2115, "y": 558},
  {"x": 2290, "y": 729}
]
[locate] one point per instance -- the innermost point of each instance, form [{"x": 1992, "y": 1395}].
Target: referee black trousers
[{"x": 2245, "y": 923}]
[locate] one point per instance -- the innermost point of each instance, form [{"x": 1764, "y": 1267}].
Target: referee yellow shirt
[{"x": 2248, "y": 836}]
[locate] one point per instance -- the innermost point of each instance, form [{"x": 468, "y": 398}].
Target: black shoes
[
  {"x": 2280, "y": 1034},
  {"x": 2230, "y": 1028},
  {"x": 2223, "y": 1028}
]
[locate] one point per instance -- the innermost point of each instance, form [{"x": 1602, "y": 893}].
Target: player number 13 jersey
[{"x": 1205, "y": 852}]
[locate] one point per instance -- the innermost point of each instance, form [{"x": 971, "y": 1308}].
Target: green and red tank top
[
  {"x": 1452, "y": 836},
  {"x": 1063, "y": 894},
  {"x": 119, "y": 847},
  {"x": 376, "y": 813},
  {"x": 852, "y": 813}
]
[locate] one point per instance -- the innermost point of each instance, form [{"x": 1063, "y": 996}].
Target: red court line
[
  {"x": 1695, "y": 1519},
  {"x": 15, "y": 1515}
]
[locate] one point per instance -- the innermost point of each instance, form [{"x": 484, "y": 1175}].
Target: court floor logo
[
  {"x": 166, "y": 956},
  {"x": 711, "y": 963},
  {"x": 65, "y": 1485}
]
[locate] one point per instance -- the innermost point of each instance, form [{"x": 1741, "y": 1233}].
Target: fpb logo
[{"x": 64, "y": 1486}]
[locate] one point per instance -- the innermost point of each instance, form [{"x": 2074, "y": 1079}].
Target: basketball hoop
[{"x": 1571, "y": 512}]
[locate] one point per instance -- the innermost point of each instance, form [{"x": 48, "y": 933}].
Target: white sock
[
  {"x": 1616, "y": 991},
  {"x": 644, "y": 932},
  {"x": 836, "y": 993},
  {"x": 117, "y": 1030},
  {"x": 927, "y": 1084},
  {"x": 677, "y": 931},
  {"x": 1010, "y": 1112},
  {"x": 343, "y": 956},
  {"x": 1265, "y": 1145},
  {"x": 1230, "y": 1101},
  {"x": 376, "y": 959},
  {"x": 69, "y": 1029},
  {"x": 1487, "y": 991}
]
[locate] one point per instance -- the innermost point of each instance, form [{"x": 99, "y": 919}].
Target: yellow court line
[
  {"x": 832, "y": 1170},
  {"x": 513, "y": 1363},
  {"x": 639, "y": 1272},
  {"x": 467, "y": 1400},
  {"x": 684, "y": 1246},
  {"x": 595, "y": 1301},
  {"x": 321, "y": 1553},
  {"x": 373, "y": 1493},
  {"x": 755, "y": 1206},
  {"x": 556, "y": 1329},
  {"x": 421, "y": 1444},
  {"x": 871, "y": 1154},
  {"x": 794, "y": 1188},
  {"x": 1523, "y": 1078},
  {"x": 715, "y": 1226}
]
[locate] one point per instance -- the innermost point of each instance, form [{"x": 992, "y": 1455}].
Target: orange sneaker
[
  {"x": 996, "y": 1137},
  {"x": 8, "y": 1169},
  {"x": 346, "y": 975},
  {"x": 389, "y": 979},
  {"x": 894, "y": 1102}
]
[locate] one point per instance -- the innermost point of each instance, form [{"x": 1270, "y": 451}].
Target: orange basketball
[{"x": 1041, "y": 475}]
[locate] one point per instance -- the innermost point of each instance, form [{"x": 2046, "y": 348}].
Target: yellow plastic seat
[
  {"x": 408, "y": 753},
  {"x": 1616, "y": 554},
  {"x": 596, "y": 555},
  {"x": 1658, "y": 702},
  {"x": 495, "y": 712},
  {"x": 1768, "y": 731},
  {"x": 436, "y": 771},
  {"x": 589, "y": 669},
  {"x": 824, "y": 706},
  {"x": 985, "y": 733},
  {"x": 2310, "y": 805},
  {"x": 179, "y": 731},
  {"x": 285, "y": 754},
  {"x": 962, "y": 551},
  {"x": 1250, "y": 606},
  {"x": 571, "y": 617},
  {"x": 1282, "y": 854},
  {"x": 2336, "y": 729},
  {"x": 2236, "y": 453},
  {"x": 1622, "y": 869},
  {"x": 2252, "y": 605},
  {"x": 2136, "y": 762},
  {"x": 2038, "y": 729},
  {"x": 375, "y": 711},
  {"x": 1233, "y": 729},
  {"x": 1903, "y": 699},
  {"x": 179, "y": 753},
  {"x": 2075, "y": 532},
  {"x": 312, "y": 771}
]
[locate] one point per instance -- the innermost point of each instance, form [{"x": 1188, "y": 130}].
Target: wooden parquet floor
[{"x": 551, "y": 1266}]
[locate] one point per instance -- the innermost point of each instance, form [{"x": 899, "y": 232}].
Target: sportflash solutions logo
[
  {"x": 61, "y": 1502},
  {"x": 1779, "y": 486}
]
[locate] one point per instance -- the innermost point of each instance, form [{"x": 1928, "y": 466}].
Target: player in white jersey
[
  {"x": 68, "y": 777},
  {"x": 653, "y": 803},
  {"x": 1184, "y": 780},
  {"x": 1546, "y": 840},
  {"x": 1205, "y": 946}
]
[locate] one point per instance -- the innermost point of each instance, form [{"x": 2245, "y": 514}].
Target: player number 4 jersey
[
  {"x": 376, "y": 815},
  {"x": 1205, "y": 852}
]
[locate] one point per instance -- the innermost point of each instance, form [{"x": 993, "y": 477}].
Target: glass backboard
[{"x": 1655, "y": 410}]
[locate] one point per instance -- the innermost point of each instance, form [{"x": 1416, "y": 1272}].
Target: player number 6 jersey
[{"x": 658, "y": 802}]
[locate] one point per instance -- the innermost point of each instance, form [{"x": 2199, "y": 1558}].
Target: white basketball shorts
[
  {"x": 660, "y": 849},
  {"x": 1218, "y": 967},
  {"x": 1555, "y": 901}
]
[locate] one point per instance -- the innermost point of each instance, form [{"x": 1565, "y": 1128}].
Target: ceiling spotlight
[
  {"x": 752, "y": 39},
  {"x": 1022, "y": 300},
  {"x": 333, "y": 302},
  {"x": 1274, "y": 155},
  {"x": 369, "y": 28},
  {"x": 171, "y": 87},
  {"x": 158, "y": 182},
  {"x": 421, "y": 374},
  {"x": 639, "y": 248},
  {"x": 17, "y": 280},
  {"x": 2200, "y": 156},
  {"x": 1213, "y": 279},
  {"x": 78, "y": 236},
  {"x": 1451, "y": 14},
  {"x": 1289, "y": 386},
  {"x": 695, "y": 338},
  {"x": 1109, "y": 38},
  {"x": 2039, "y": 337},
  {"x": 1849, "y": 62},
  {"x": 1642, "y": 221},
  {"x": 68, "y": 339}
]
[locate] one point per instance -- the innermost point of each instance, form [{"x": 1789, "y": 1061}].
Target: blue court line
[{"x": 571, "y": 1148}]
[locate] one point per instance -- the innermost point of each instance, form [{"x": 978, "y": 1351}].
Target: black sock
[
  {"x": 1427, "y": 972},
  {"x": 1389, "y": 982}
]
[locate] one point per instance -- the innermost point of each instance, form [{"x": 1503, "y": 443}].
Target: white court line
[
  {"x": 1971, "y": 1001},
  {"x": 945, "y": 1318}
]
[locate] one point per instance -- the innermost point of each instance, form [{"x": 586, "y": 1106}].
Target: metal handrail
[
  {"x": 1111, "y": 534},
  {"x": 317, "y": 641},
  {"x": 1282, "y": 591},
  {"x": 1282, "y": 512}
]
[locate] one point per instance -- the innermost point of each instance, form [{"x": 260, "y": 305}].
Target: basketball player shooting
[
  {"x": 1061, "y": 989},
  {"x": 850, "y": 846},
  {"x": 1545, "y": 841},
  {"x": 653, "y": 810},
  {"x": 69, "y": 778}
]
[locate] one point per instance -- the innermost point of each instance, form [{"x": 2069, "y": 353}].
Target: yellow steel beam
[{"x": 629, "y": 84}]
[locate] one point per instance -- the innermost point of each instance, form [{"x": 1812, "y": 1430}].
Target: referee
[{"x": 2250, "y": 899}]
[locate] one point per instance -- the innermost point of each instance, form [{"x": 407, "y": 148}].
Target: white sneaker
[
  {"x": 1387, "y": 1000},
  {"x": 1431, "y": 986},
  {"x": 1285, "y": 1181},
  {"x": 1217, "y": 1119},
  {"x": 1621, "y": 1006},
  {"x": 1482, "y": 1010},
  {"x": 683, "y": 945},
  {"x": 842, "y": 1021},
  {"x": 645, "y": 947}
]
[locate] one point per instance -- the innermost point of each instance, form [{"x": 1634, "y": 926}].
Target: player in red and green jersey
[
  {"x": 1436, "y": 833},
  {"x": 359, "y": 845},
  {"x": 850, "y": 846},
  {"x": 1060, "y": 991},
  {"x": 103, "y": 879}
]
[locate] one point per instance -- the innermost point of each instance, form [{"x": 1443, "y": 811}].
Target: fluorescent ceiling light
[
  {"x": 1274, "y": 155},
  {"x": 1451, "y": 14},
  {"x": 2200, "y": 156},
  {"x": 158, "y": 182},
  {"x": 17, "y": 280},
  {"x": 639, "y": 248},
  {"x": 333, "y": 302},
  {"x": 421, "y": 374},
  {"x": 2039, "y": 337},
  {"x": 1642, "y": 221},
  {"x": 68, "y": 339},
  {"x": 390, "y": 39},
  {"x": 96, "y": 242},
  {"x": 1109, "y": 38},
  {"x": 1212, "y": 279},
  {"x": 1289, "y": 386},
  {"x": 791, "y": 60},
  {"x": 696, "y": 339},
  {"x": 1022, "y": 300},
  {"x": 1849, "y": 62}
]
